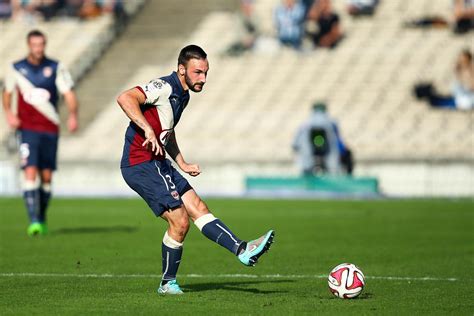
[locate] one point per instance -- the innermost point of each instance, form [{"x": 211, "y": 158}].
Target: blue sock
[
  {"x": 45, "y": 195},
  {"x": 214, "y": 229},
  {"x": 171, "y": 252},
  {"x": 32, "y": 203}
]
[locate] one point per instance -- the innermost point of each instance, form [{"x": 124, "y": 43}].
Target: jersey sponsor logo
[
  {"x": 47, "y": 72},
  {"x": 158, "y": 84},
  {"x": 164, "y": 136},
  {"x": 36, "y": 95},
  {"x": 155, "y": 84},
  {"x": 173, "y": 100}
]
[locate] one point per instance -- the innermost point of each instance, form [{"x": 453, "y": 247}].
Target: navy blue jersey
[
  {"x": 165, "y": 102},
  {"x": 38, "y": 88}
]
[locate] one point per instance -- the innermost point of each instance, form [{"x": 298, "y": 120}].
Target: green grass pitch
[{"x": 103, "y": 257}]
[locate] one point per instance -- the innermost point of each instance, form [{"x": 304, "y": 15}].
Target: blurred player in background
[
  {"x": 154, "y": 110},
  {"x": 319, "y": 145},
  {"x": 39, "y": 81}
]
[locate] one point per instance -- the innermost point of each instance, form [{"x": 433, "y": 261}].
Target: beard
[{"x": 193, "y": 86}]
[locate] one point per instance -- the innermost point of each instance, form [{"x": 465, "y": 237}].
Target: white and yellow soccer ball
[{"x": 346, "y": 281}]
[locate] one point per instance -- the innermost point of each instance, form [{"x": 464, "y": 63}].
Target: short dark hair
[
  {"x": 190, "y": 52},
  {"x": 35, "y": 33}
]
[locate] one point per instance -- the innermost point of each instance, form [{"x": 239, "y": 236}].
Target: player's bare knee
[
  {"x": 46, "y": 176},
  {"x": 183, "y": 226},
  {"x": 180, "y": 226},
  {"x": 31, "y": 173},
  {"x": 178, "y": 233}
]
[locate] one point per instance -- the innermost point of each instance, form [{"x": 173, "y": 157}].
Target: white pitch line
[{"x": 231, "y": 276}]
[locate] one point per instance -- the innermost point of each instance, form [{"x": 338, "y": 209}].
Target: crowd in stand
[
  {"x": 461, "y": 20},
  {"x": 297, "y": 20},
  {"x": 303, "y": 24},
  {"x": 463, "y": 16},
  {"x": 315, "y": 19},
  {"x": 461, "y": 94},
  {"x": 316, "y": 22},
  {"x": 33, "y": 10}
]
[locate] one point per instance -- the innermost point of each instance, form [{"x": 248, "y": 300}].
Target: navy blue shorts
[
  {"x": 158, "y": 183},
  {"x": 38, "y": 149}
]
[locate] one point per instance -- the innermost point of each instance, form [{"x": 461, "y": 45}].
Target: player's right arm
[
  {"x": 65, "y": 85},
  {"x": 12, "y": 118},
  {"x": 173, "y": 150},
  {"x": 130, "y": 101}
]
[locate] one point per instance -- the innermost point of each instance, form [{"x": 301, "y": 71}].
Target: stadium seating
[{"x": 253, "y": 104}]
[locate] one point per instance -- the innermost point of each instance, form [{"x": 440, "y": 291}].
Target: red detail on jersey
[
  {"x": 32, "y": 120},
  {"x": 138, "y": 153},
  {"x": 141, "y": 90}
]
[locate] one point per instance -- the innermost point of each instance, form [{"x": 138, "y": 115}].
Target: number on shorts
[{"x": 172, "y": 185}]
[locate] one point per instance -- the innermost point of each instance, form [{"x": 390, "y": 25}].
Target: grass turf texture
[{"x": 406, "y": 238}]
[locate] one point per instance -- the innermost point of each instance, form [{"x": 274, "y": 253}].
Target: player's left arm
[
  {"x": 73, "y": 106},
  {"x": 65, "y": 85},
  {"x": 172, "y": 149}
]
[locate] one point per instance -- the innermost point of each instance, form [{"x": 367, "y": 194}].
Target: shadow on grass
[
  {"x": 362, "y": 296},
  {"x": 240, "y": 286},
  {"x": 95, "y": 230},
  {"x": 365, "y": 296}
]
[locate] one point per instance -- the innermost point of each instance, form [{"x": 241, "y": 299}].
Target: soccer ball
[{"x": 346, "y": 281}]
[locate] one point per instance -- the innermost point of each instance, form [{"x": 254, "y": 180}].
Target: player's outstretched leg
[
  {"x": 214, "y": 229},
  {"x": 172, "y": 249}
]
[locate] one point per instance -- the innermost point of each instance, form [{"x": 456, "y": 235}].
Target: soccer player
[
  {"x": 39, "y": 81},
  {"x": 154, "y": 110}
]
